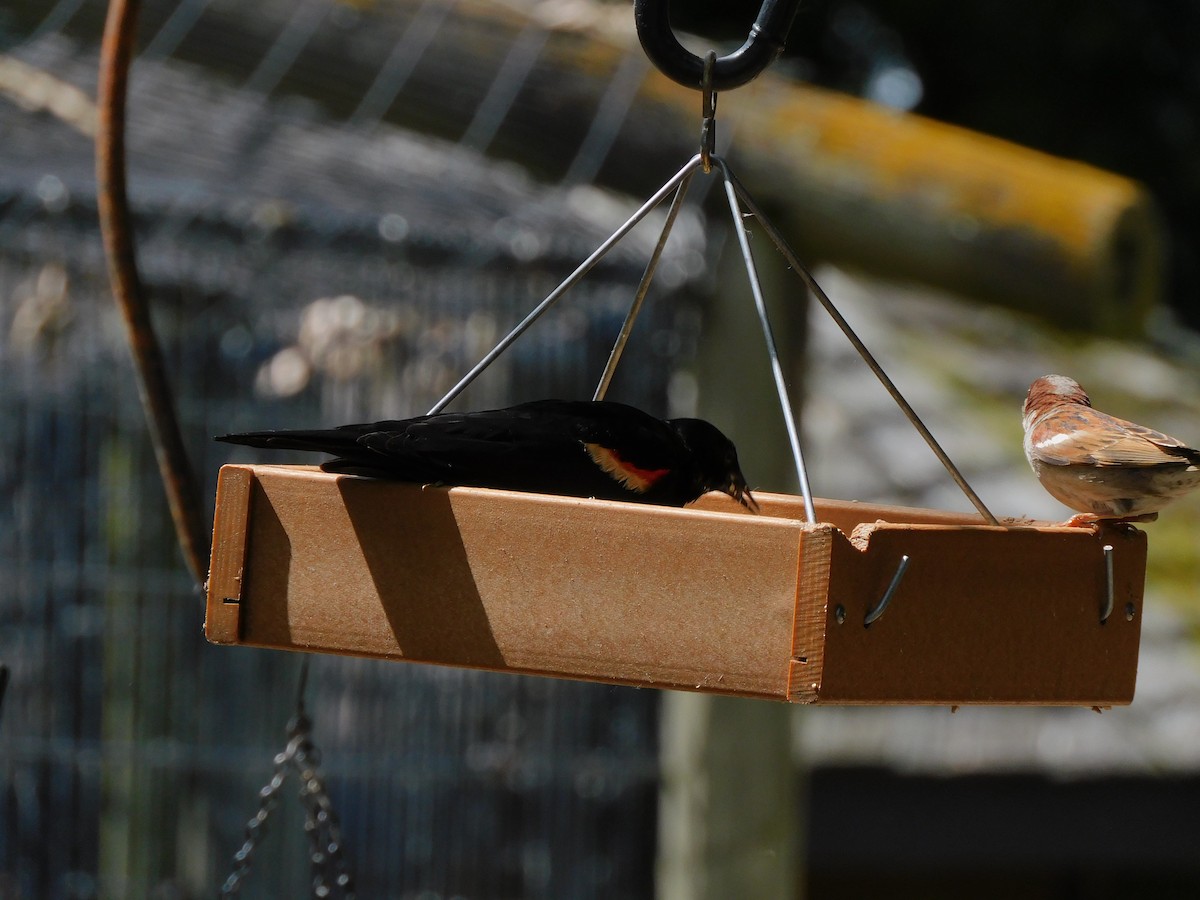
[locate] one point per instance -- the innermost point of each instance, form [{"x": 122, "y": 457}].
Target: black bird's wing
[
  {"x": 595, "y": 449},
  {"x": 632, "y": 448}
]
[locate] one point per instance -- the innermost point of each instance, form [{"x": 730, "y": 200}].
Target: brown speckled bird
[{"x": 1101, "y": 466}]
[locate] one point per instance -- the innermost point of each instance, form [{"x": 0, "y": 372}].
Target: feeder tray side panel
[
  {"x": 615, "y": 592},
  {"x": 985, "y": 615}
]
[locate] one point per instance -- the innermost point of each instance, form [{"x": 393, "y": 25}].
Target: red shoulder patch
[{"x": 629, "y": 475}]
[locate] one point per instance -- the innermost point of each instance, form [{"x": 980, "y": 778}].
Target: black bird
[{"x": 578, "y": 448}]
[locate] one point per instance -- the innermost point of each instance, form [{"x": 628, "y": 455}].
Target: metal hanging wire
[
  {"x": 655, "y": 32},
  {"x": 760, "y": 305},
  {"x": 567, "y": 283},
  {"x": 639, "y": 296},
  {"x": 817, "y": 291},
  {"x": 705, "y": 160}
]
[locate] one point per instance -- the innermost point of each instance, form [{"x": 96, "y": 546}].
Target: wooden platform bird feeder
[
  {"x": 706, "y": 598},
  {"x": 810, "y": 601}
]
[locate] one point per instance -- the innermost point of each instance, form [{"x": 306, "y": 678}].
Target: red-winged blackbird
[{"x": 577, "y": 448}]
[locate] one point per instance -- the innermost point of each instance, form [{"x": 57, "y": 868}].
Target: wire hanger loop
[{"x": 762, "y": 47}]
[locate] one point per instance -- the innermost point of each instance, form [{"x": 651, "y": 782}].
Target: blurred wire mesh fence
[{"x": 307, "y": 263}]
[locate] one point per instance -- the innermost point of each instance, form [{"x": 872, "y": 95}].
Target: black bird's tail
[
  {"x": 335, "y": 440},
  {"x": 350, "y": 456}
]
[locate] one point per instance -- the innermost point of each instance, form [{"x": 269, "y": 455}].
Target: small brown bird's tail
[{"x": 1188, "y": 454}]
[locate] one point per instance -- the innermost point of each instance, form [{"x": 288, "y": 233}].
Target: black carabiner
[{"x": 763, "y": 45}]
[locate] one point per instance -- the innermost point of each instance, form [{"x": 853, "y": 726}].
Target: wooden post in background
[
  {"x": 729, "y": 816},
  {"x": 729, "y": 810}
]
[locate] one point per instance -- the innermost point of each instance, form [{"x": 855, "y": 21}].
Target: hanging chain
[
  {"x": 708, "y": 112},
  {"x": 331, "y": 876}
]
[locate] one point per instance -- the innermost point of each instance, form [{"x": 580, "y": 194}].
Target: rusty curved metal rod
[{"x": 158, "y": 403}]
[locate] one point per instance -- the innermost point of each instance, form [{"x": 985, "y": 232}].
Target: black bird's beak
[{"x": 738, "y": 490}]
